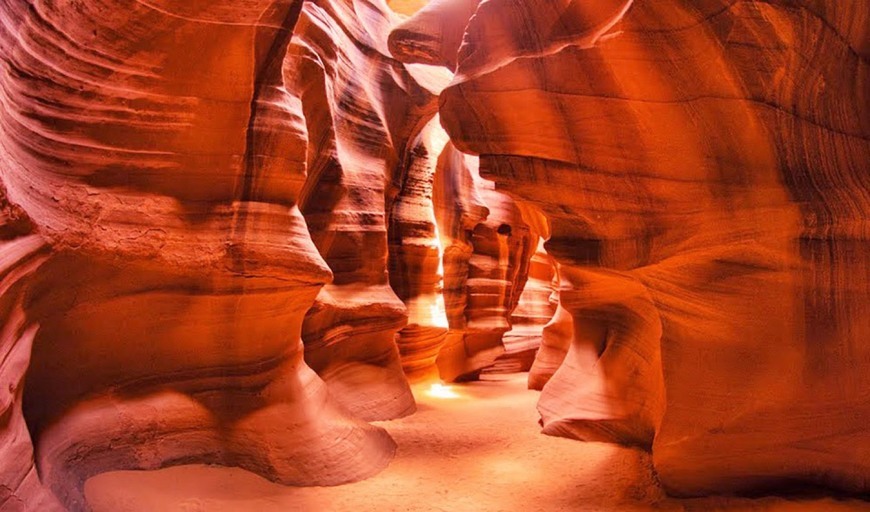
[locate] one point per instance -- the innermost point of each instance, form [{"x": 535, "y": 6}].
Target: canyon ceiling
[{"x": 233, "y": 232}]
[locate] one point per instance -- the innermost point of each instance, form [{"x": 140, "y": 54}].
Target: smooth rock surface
[{"x": 703, "y": 169}]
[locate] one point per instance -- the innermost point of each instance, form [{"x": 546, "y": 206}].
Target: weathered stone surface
[
  {"x": 231, "y": 231},
  {"x": 534, "y": 311},
  {"x": 416, "y": 268},
  {"x": 487, "y": 248},
  {"x": 22, "y": 252},
  {"x": 361, "y": 132},
  {"x": 158, "y": 153},
  {"x": 703, "y": 169},
  {"x": 433, "y": 35}
]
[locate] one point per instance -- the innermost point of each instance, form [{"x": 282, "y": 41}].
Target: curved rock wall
[
  {"x": 191, "y": 189},
  {"x": 22, "y": 252},
  {"x": 487, "y": 248},
  {"x": 159, "y": 154},
  {"x": 703, "y": 169},
  {"x": 534, "y": 310},
  {"x": 359, "y": 132},
  {"x": 416, "y": 270}
]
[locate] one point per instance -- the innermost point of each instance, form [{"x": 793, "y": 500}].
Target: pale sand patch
[{"x": 480, "y": 450}]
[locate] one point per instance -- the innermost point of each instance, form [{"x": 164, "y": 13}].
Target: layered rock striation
[
  {"x": 230, "y": 232},
  {"x": 703, "y": 171},
  {"x": 487, "y": 249},
  {"x": 162, "y": 158},
  {"x": 535, "y": 308},
  {"x": 361, "y": 132},
  {"x": 416, "y": 268}
]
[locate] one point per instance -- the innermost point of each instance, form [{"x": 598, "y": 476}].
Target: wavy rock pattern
[
  {"x": 714, "y": 242},
  {"x": 364, "y": 113},
  {"x": 21, "y": 254},
  {"x": 487, "y": 248},
  {"x": 458, "y": 209},
  {"x": 416, "y": 270},
  {"x": 190, "y": 190},
  {"x": 534, "y": 311},
  {"x": 556, "y": 339},
  {"x": 433, "y": 35},
  {"x": 159, "y": 154}
]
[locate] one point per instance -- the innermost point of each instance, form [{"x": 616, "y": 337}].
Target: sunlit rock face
[
  {"x": 534, "y": 310},
  {"x": 487, "y": 248},
  {"x": 556, "y": 338},
  {"x": 433, "y": 35},
  {"x": 162, "y": 159},
  {"x": 703, "y": 170},
  {"x": 416, "y": 269},
  {"x": 364, "y": 114},
  {"x": 231, "y": 232}
]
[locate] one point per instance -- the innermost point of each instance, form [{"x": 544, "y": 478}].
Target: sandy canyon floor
[{"x": 477, "y": 449}]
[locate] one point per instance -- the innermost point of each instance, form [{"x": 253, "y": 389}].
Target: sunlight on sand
[{"x": 442, "y": 391}]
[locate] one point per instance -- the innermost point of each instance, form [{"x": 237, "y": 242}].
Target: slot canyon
[{"x": 443, "y": 255}]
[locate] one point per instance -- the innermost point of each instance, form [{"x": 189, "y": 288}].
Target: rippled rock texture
[
  {"x": 232, "y": 231},
  {"x": 202, "y": 189},
  {"x": 535, "y": 308},
  {"x": 363, "y": 113},
  {"x": 703, "y": 167},
  {"x": 487, "y": 249},
  {"x": 162, "y": 156},
  {"x": 22, "y": 252}
]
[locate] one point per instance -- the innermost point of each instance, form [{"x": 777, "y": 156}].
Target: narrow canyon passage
[
  {"x": 473, "y": 447},
  {"x": 446, "y": 255}
]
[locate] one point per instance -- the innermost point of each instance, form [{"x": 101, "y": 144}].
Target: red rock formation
[
  {"x": 158, "y": 153},
  {"x": 703, "y": 169},
  {"x": 416, "y": 271},
  {"x": 190, "y": 189},
  {"x": 556, "y": 339},
  {"x": 458, "y": 209},
  {"x": 360, "y": 132},
  {"x": 487, "y": 247},
  {"x": 534, "y": 310},
  {"x": 22, "y": 252},
  {"x": 433, "y": 35}
]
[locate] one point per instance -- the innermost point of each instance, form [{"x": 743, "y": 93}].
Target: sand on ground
[{"x": 478, "y": 449}]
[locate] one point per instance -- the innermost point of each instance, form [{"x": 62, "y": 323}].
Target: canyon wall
[
  {"x": 232, "y": 232},
  {"x": 359, "y": 132},
  {"x": 163, "y": 159},
  {"x": 22, "y": 252},
  {"x": 703, "y": 170},
  {"x": 535, "y": 308},
  {"x": 487, "y": 250},
  {"x": 193, "y": 192}
]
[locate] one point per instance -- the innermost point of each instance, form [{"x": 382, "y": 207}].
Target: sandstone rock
[
  {"x": 160, "y": 156},
  {"x": 485, "y": 265},
  {"x": 416, "y": 268},
  {"x": 459, "y": 208},
  {"x": 22, "y": 252},
  {"x": 556, "y": 339},
  {"x": 703, "y": 169},
  {"x": 230, "y": 231},
  {"x": 433, "y": 35},
  {"x": 534, "y": 311},
  {"x": 360, "y": 132}
]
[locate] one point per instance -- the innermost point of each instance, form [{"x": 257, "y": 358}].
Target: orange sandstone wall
[
  {"x": 162, "y": 158},
  {"x": 703, "y": 170}
]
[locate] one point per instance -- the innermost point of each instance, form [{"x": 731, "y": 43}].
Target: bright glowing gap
[{"x": 443, "y": 391}]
